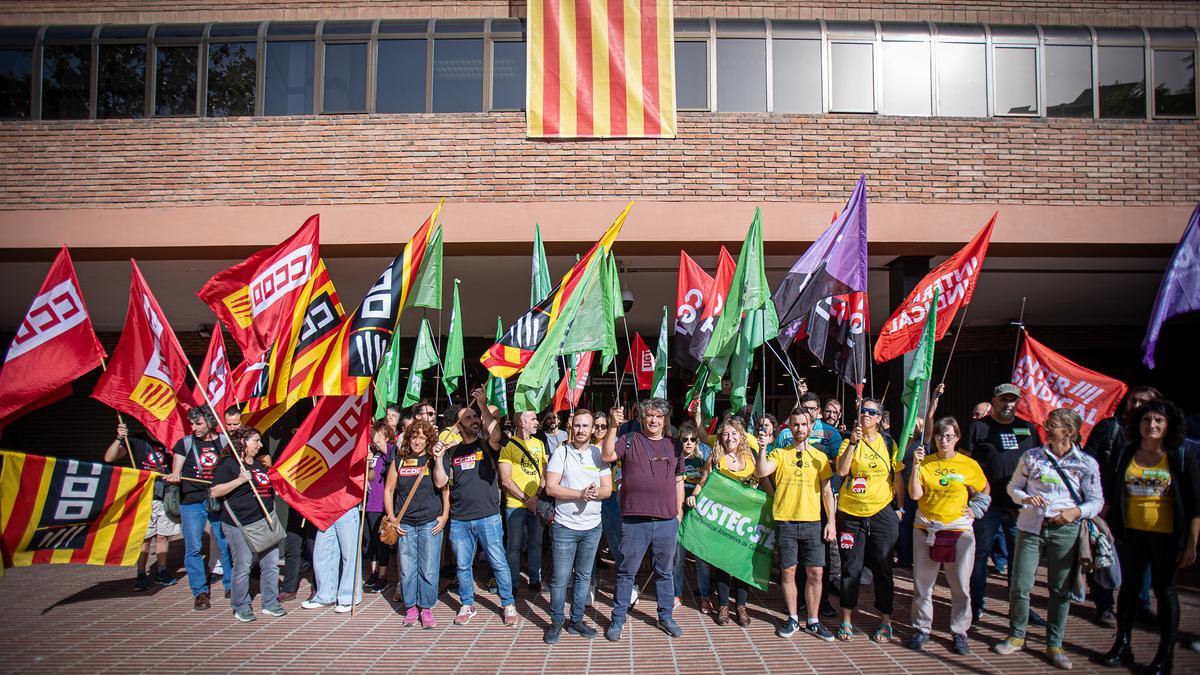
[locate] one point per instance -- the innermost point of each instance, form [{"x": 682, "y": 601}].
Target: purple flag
[
  {"x": 823, "y": 298},
  {"x": 1180, "y": 289}
]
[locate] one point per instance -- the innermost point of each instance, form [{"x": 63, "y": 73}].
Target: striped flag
[
  {"x": 67, "y": 511},
  {"x": 601, "y": 69}
]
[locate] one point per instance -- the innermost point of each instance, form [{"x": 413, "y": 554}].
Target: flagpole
[
  {"x": 121, "y": 421},
  {"x": 437, "y": 384},
  {"x": 790, "y": 368},
  {"x": 1020, "y": 329},
  {"x": 762, "y": 360},
  {"x": 629, "y": 361},
  {"x": 362, "y": 511},
  {"x": 954, "y": 345}
]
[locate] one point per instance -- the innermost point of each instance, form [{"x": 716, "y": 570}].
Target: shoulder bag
[
  {"x": 261, "y": 535},
  {"x": 388, "y": 534},
  {"x": 545, "y": 505}
]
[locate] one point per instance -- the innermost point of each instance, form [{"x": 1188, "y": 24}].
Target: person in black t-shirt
[
  {"x": 997, "y": 442},
  {"x": 149, "y": 457},
  {"x": 196, "y": 456},
  {"x": 235, "y": 482}
]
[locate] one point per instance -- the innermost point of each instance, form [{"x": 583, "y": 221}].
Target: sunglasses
[
  {"x": 689, "y": 440},
  {"x": 871, "y": 412}
]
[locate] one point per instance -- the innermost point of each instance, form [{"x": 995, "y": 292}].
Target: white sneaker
[
  {"x": 867, "y": 577},
  {"x": 218, "y": 570},
  {"x": 633, "y": 597},
  {"x": 313, "y": 604},
  {"x": 591, "y": 598},
  {"x": 342, "y": 609}
]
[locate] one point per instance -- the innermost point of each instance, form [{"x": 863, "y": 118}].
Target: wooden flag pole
[
  {"x": 1020, "y": 329},
  {"x": 362, "y": 512},
  {"x": 121, "y": 421}
]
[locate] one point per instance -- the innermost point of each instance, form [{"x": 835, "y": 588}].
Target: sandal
[
  {"x": 883, "y": 634},
  {"x": 845, "y": 632}
]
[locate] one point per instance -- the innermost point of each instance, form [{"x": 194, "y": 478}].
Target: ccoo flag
[
  {"x": 216, "y": 382},
  {"x": 1179, "y": 292}
]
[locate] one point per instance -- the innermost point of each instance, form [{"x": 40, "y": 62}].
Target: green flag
[
  {"x": 387, "y": 380},
  {"x": 497, "y": 393},
  {"x": 427, "y": 292},
  {"x": 704, "y": 390},
  {"x": 730, "y": 528},
  {"x": 539, "y": 286},
  {"x": 748, "y": 291},
  {"x": 614, "y": 308},
  {"x": 741, "y": 361},
  {"x": 757, "y": 410},
  {"x": 658, "y": 388},
  {"x": 452, "y": 371},
  {"x": 917, "y": 380},
  {"x": 424, "y": 358}
]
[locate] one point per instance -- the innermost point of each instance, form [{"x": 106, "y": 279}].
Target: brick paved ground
[{"x": 88, "y": 619}]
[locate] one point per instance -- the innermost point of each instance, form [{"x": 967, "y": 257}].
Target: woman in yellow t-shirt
[
  {"x": 943, "y": 484},
  {"x": 732, "y": 458},
  {"x": 867, "y": 522}
]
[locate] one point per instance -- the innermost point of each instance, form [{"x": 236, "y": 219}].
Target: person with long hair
[
  {"x": 375, "y": 552},
  {"x": 1153, "y": 508},
  {"x": 234, "y": 482},
  {"x": 695, "y": 457}
]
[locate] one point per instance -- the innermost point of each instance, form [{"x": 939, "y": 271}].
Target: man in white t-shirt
[{"x": 578, "y": 480}]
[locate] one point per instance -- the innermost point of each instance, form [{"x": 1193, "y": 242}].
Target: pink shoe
[
  {"x": 410, "y": 617},
  {"x": 427, "y": 620}
]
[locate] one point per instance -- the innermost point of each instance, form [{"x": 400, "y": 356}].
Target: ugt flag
[
  {"x": 1049, "y": 380},
  {"x": 732, "y": 529},
  {"x": 1180, "y": 289}
]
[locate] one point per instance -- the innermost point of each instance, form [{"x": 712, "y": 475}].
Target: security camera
[{"x": 627, "y": 299}]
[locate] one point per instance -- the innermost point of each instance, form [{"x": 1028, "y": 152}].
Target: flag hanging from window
[{"x": 601, "y": 69}]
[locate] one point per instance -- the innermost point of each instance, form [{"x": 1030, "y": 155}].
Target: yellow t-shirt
[
  {"x": 745, "y": 474},
  {"x": 524, "y": 474},
  {"x": 1149, "y": 505},
  {"x": 867, "y": 488},
  {"x": 751, "y": 440},
  {"x": 945, "y": 482},
  {"x": 798, "y": 477},
  {"x": 450, "y": 436}
]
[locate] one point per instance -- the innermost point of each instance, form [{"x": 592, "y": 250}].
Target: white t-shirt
[{"x": 579, "y": 469}]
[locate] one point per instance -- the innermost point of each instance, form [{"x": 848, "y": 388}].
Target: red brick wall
[{"x": 486, "y": 157}]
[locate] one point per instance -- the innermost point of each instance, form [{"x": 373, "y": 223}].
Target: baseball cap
[{"x": 1008, "y": 389}]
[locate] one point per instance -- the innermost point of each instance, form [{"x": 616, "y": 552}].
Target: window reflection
[
  {"x": 400, "y": 76},
  {"x": 345, "y": 78},
  {"x": 1016, "y": 81},
  {"x": 508, "y": 76},
  {"x": 962, "y": 81},
  {"x": 1174, "y": 82},
  {"x": 457, "y": 75},
  {"x": 16, "y": 82},
  {"x": 175, "y": 88},
  {"x": 796, "y": 76},
  {"x": 1122, "y": 82},
  {"x": 852, "y": 69},
  {"x": 741, "y": 74},
  {"x": 289, "y": 78},
  {"x": 906, "y": 83},
  {"x": 66, "y": 70},
  {"x": 1068, "y": 81},
  {"x": 691, "y": 75},
  {"x": 231, "y": 78}
]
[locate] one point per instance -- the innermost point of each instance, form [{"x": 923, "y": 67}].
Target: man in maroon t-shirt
[{"x": 651, "y": 504}]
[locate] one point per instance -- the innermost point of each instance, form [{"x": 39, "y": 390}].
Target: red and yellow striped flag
[
  {"x": 67, "y": 511},
  {"x": 601, "y": 69}
]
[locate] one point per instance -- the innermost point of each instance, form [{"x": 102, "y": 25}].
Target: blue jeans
[
  {"x": 525, "y": 532},
  {"x": 468, "y": 535},
  {"x": 660, "y": 537},
  {"x": 610, "y": 520},
  {"x": 193, "y": 518},
  {"x": 574, "y": 553},
  {"x": 993, "y": 521},
  {"x": 268, "y": 577},
  {"x": 420, "y": 555},
  {"x": 337, "y": 546},
  {"x": 703, "y": 574}
]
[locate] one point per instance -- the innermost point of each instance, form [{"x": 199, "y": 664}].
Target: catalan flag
[
  {"x": 601, "y": 69},
  {"x": 67, "y": 511}
]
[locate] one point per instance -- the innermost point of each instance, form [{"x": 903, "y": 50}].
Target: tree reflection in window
[
  {"x": 16, "y": 77},
  {"x": 231, "y": 76},
  {"x": 65, "y": 74},
  {"x": 121, "y": 87},
  {"x": 175, "y": 90}
]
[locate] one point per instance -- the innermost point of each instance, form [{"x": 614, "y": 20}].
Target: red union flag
[
  {"x": 147, "y": 375},
  {"x": 956, "y": 277},
  {"x": 641, "y": 363},
  {"x": 570, "y": 389},
  {"x": 216, "y": 382},
  {"x": 322, "y": 471},
  {"x": 54, "y": 345},
  {"x": 1049, "y": 380}
]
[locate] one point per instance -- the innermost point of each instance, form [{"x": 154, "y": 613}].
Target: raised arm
[
  {"x": 491, "y": 426},
  {"x": 608, "y": 447}
]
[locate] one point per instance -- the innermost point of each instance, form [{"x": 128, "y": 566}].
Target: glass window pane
[
  {"x": 179, "y": 31},
  {"x": 289, "y": 79},
  {"x": 400, "y": 76},
  {"x": 403, "y": 26},
  {"x": 16, "y": 82},
  {"x": 691, "y": 75},
  {"x": 346, "y": 28},
  {"x": 65, "y": 74},
  {"x": 124, "y": 31},
  {"x": 457, "y": 75},
  {"x": 508, "y": 76},
  {"x": 346, "y": 77},
  {"x": 1122, "y": 82},
  {"x": 507, "y": 26},
  {"x": 231, "y": 78},
  {"x": 121, "y": 87},
  {"x": 962, "y": 80},
  {"x": 1174, "y": 82},
  {"x": 796, "y": 76},
  {"x": 906, "y": 79},
  {"x": 1068, "y": 81},
  {"x": 741, "y": 74},
  {"x": 457, "y": 26},
  {"x": 175, "y": 90},
  {"x": 302, "y": 28},
  {"x": 852, "y": 68},
  {"x": 68, "y": 33},
  {"x": 1016, "y": 81},
  {"x": 234, "y": 30}
]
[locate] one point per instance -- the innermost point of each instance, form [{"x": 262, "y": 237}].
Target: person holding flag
[
  {"x": 149, "y": 457},
  {"x": 522, "y": 462}
]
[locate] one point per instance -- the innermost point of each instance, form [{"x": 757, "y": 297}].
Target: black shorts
[{"x": 800, "y": 543}]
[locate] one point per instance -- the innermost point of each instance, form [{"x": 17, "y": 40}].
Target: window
[
  {"x": 16, "y": 83},
  {"x": 457, "y": 75},
  {"x": 691, "y": 75},
  {"x": 508, "y": 76},
  {"x": 741, "y": 74},
  {"x": 175, "y": 74},
  {"x": 1016, "y": 81},
  {"x": 852, "y": 75},
  {"x": 1068, "y": 81},
  {"x": 796, "y": 76},
  {"x": 232, "y": 70},
  {"x": 289, "y": 79},
  {"x": 1174, "y": 83},
  {"x": 66, "y": 73},
  {"x": 962, "y": 79},
  {"x": 400, "y": 76},
  {"x": 906, "y": 79},
  {"x": 345, "y": 87}
]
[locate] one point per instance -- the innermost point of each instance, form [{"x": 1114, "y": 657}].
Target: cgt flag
[
  {"x": 732, "y": 528},
  {"x": 67, "y": 511},
  {"x": 54, "y": 345},
  {"x": 322, "y": 471},
  {"x": 215, "y": 375},
  {"x": 1049, "y": 380},
  {"x": 641, "y": 363}
]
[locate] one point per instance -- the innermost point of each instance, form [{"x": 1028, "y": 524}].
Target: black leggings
[
  {"x": 1158, "y": 552},
  {"x": 725, "y": 580},
  {"x": 373, "y": 549},
  {"x": 869, "y": 540},
  {"x": 297, "y": 549}
]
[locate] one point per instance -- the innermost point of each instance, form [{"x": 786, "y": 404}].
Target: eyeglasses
[
  {"x": 870, "y": 412},
  {"x": 689, "y": 440},
  {"x": 946, "y": 437}
]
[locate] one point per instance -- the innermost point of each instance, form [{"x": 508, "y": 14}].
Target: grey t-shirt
[{"x": 579, "y": 469}]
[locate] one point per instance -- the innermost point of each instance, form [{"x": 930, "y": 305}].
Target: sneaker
[
  {"x": 960, "y": 644},
  {"x": 427, "y": 620},
  {"x": 1107, "y": 619},
  {"x": 1008, "y": 646},
  {"x": 976, "y": 615},
  {"x": 581, "y": 629},
  {"x": 1002, "y": 569},
  {"x": 227, "y": 593},
  {"x": 553, "y": 634},
  {"x": 819, "y": 631},
  {"x": 535, "y": 587},
  {"x": 669, "y": 627},
  {"x": 591, "y": 599},
  {"x": 313, "y": 604},
  {"x": 202, "y": 601},
  {"x": 142, "y": 583},
  {"x": 217, "y": 570},
  {"x": 678, "y": 601},
  {"x": 379, "y": 585},
  {"x": 917, "y": 641},
  {"x": 510, "y": 615},
  {"x": 284, "y": 596},
  {"x": 274, "y": 611},
  {"x": 492, "y": 587},
  {"x": 411, "y": 616},
  {"x": 1036, "y": 619},
  {"x": 165, "y": 578},
  {"x": 343, "y": 609},
  {"x": 633, "y": 597},
  {"x": 613, "y": 634},
  {"x": 827, "y": 611},
  {"x": 465, "y": 614},
  {"x": 1059, "y": 658},
  {"x": 787, "y": 628},
  {"x": 245, "y": 616}
]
